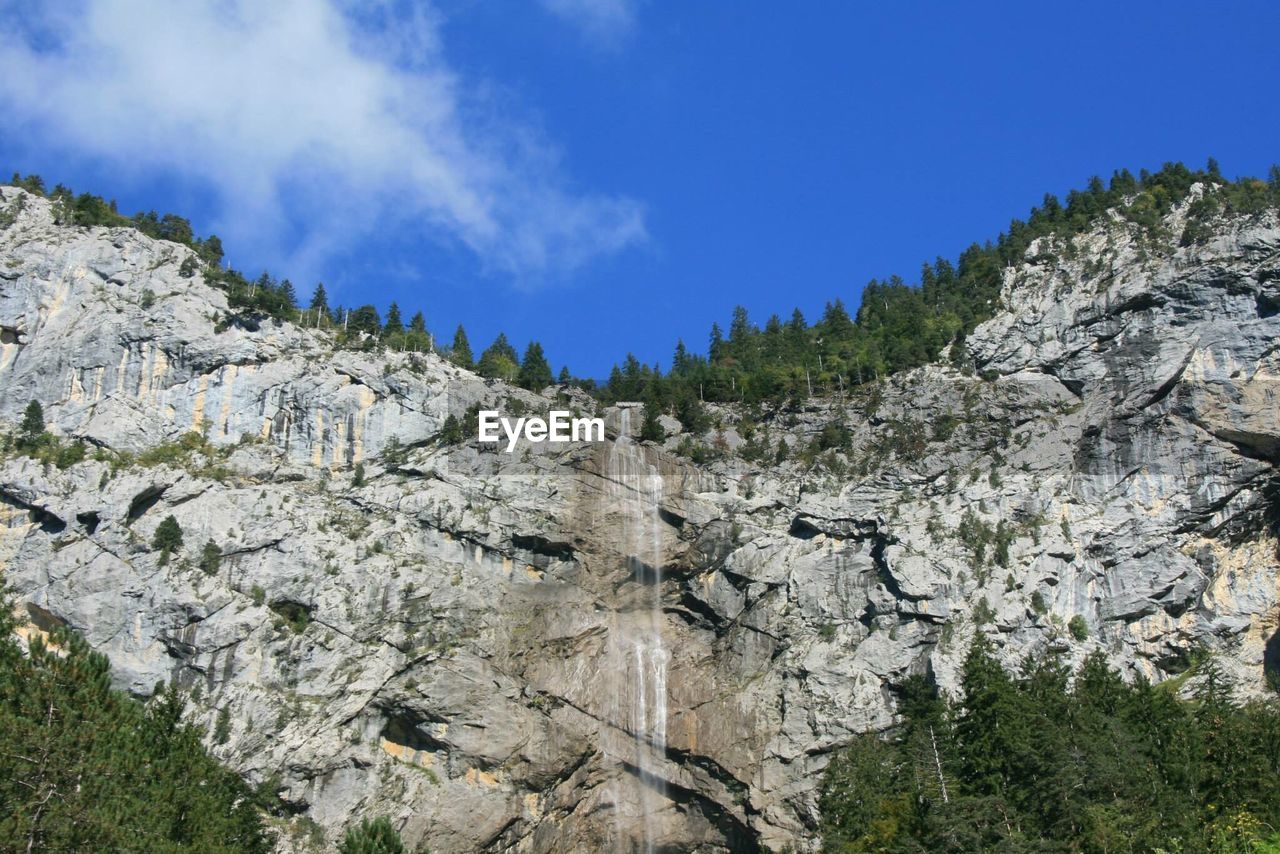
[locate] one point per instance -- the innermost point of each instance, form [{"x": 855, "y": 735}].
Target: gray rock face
[{"x": 441, "y": 643}]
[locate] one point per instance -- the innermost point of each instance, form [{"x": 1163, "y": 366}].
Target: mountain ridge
[{"x": 1103, "y": 448}]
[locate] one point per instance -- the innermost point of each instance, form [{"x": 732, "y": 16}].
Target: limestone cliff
[{"x": 437, "y": 641}]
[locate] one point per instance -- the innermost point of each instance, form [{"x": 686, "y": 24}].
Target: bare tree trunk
[{"x": 937, "y": 762}]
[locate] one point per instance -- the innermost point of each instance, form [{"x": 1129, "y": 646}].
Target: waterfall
[{"x": 637, "y": 706}]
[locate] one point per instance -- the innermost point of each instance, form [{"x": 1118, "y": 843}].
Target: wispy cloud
[
  {"x": 602, "y": 22},
  {"x": 345, "y": 118}
]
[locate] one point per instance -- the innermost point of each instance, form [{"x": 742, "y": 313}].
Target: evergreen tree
[
  {"x": 863, "y": 800},
  {"x": 210, "y": 249},
  {"x": 320, "y": 302},
  {"x": 565, "y": 377},
  {"x": 499, "y": 360},
  {"x": 992, "y": 725},
  {"x": 835, "y": 319},
  {"x": 535, "y": 370},
  {"x": 87, "y": 768},
  {"x": 288, "y": 297},
  {"x": 175, "y": 228},
  {"x": 167, "y": 538},
  {"x": 651, "y": 429},
  {"x": 32, "y": 423},
  {"x": 451, "y": 432},
  {"x": 418, "y": 323},
  {"x": 716, "y": 348},
  {"x": 364, "y": 319},
  {"x": 394, "y": 325},
  {"x": 31, "y": 183},
  {"x": 740, "y": 327},
  {"x": 210, "y": 557},
  {"x": 680, "y": 362},
  {"x": 1041, "y": 762},
  {"x": 460, "y": 351},
  {"x": 372, "y": 837},
  {"x": 262, "y": 286},
  {"x": 692, "y": 415}
]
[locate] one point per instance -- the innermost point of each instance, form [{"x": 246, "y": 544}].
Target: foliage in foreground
[
  {"x": 1044, "y": 762},
  {"x": 87, "y": 768},
  {"x": 372, "y": 837}
]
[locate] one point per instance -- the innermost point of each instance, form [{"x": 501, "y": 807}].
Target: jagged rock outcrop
[{"x": 433, "y": 643}]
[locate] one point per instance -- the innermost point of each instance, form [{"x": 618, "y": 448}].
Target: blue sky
[{"x": 610, "y": 175}]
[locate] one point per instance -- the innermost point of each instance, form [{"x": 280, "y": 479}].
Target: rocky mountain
[{"x": 603, "y": 645}]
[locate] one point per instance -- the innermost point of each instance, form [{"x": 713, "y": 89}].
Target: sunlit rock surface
[{"x": 440, "y": 642}]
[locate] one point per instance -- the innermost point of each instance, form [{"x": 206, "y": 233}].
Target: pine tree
[
  {"x": 394, "y": 325},
  {"x": 993, "y": 729},
  {"x": 499, "y": 360},
  {"x": 210, "y": 249},
  {"x": 740, "y": 327},
  {"x": 261, "y": 287},
  {"x": 835, "y": 319},
  {"x": 320, "y": 303},
  {"x": 651, "y": 429},
  {"x": 460, "y": 352},
  {"x": 31, "y": 183},
  {"x": 692, "y": 415},
  {"x": 210, "y": 557},
  {"x": 167, "y": 538},
  {"x": 773, "y": 326},
  {"x": 288, "y": 297},
  {"x": 112, "y": 773},
  {"x": 394, "y": 454},
  {"x": 634, "y": 379},
  {"x": 451, "y": 431},
  {"x": 364, "y": 319},
  {"x": 680, "y": 362},
  {"x": 32, "y": 423},
  {"x": 565, "y": 377},
  {"x": 715, "y": 350},
  {"x": 863, "y": 798},
  {"x": 535, "y": 370},
  {"x": 372, "y": 837},
  {"x": 1043, "y": 762},
  {"x": 418, "y": 323}
]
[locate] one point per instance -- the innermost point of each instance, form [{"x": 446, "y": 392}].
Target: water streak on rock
[{"x": 638, "y": 658}]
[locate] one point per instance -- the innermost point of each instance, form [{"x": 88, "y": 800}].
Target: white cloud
[
  {"x": 349, "y": 120},
  {"x": 603, "y": 22}
]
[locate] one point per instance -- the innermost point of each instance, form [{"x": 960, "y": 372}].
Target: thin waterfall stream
[{"x": 638, "y": 658}]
